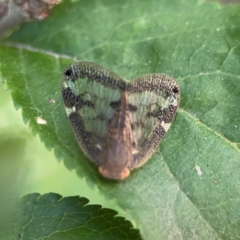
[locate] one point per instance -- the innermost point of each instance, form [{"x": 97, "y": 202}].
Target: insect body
[{"x": 118, "y": 125}]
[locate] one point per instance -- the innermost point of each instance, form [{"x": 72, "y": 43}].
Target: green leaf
[
  {"x": 190, "y": 188},
  {"x": 50, "y": 216}
]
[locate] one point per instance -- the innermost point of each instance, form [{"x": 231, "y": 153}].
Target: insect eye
[
  {"x": 68, "y": 72},
  {"x": 175, "y": 90}
]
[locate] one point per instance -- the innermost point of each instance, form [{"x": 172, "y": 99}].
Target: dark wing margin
[{"x": 94, "y": 72}]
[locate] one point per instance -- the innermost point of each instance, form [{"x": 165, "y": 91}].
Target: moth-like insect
[{"x": 117, "y": 124}]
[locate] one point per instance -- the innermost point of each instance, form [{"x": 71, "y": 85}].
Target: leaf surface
[
  {"x": 50, "y": 216},
  {"x": 190, "y": 188}
]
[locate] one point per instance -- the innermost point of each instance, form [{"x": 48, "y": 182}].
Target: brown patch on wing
[{"x": 116, "y": 154}]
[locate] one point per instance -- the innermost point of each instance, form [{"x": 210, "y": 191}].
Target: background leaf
[
  {"x": 50, "y": 216},
  {"x": 189, "y": 189}
]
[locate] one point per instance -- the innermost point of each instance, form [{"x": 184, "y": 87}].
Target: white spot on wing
[
  {"x": 64, "y": 84},
  {"x": 98, "y": 146},
  {"x": 134, "y": 151},
  {"x": 70, "y": 110},
  {"x": 171, "y": 101},
  {"x": 165, "y": 126}
]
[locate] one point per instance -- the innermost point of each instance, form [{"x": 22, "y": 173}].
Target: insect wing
[
  {"x": 89, "y": 92},
  {"x": 156, "y": 98}
]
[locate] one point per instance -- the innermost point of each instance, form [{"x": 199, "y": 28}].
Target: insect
[{"x": 117, "y": 124}]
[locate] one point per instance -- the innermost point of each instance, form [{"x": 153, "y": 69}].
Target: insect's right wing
[{"x": 154, "y": 99}]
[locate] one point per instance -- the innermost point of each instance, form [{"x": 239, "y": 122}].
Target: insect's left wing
[
  {"x": 154, "y": 99},
  {"x": 89, "y": 91}
]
